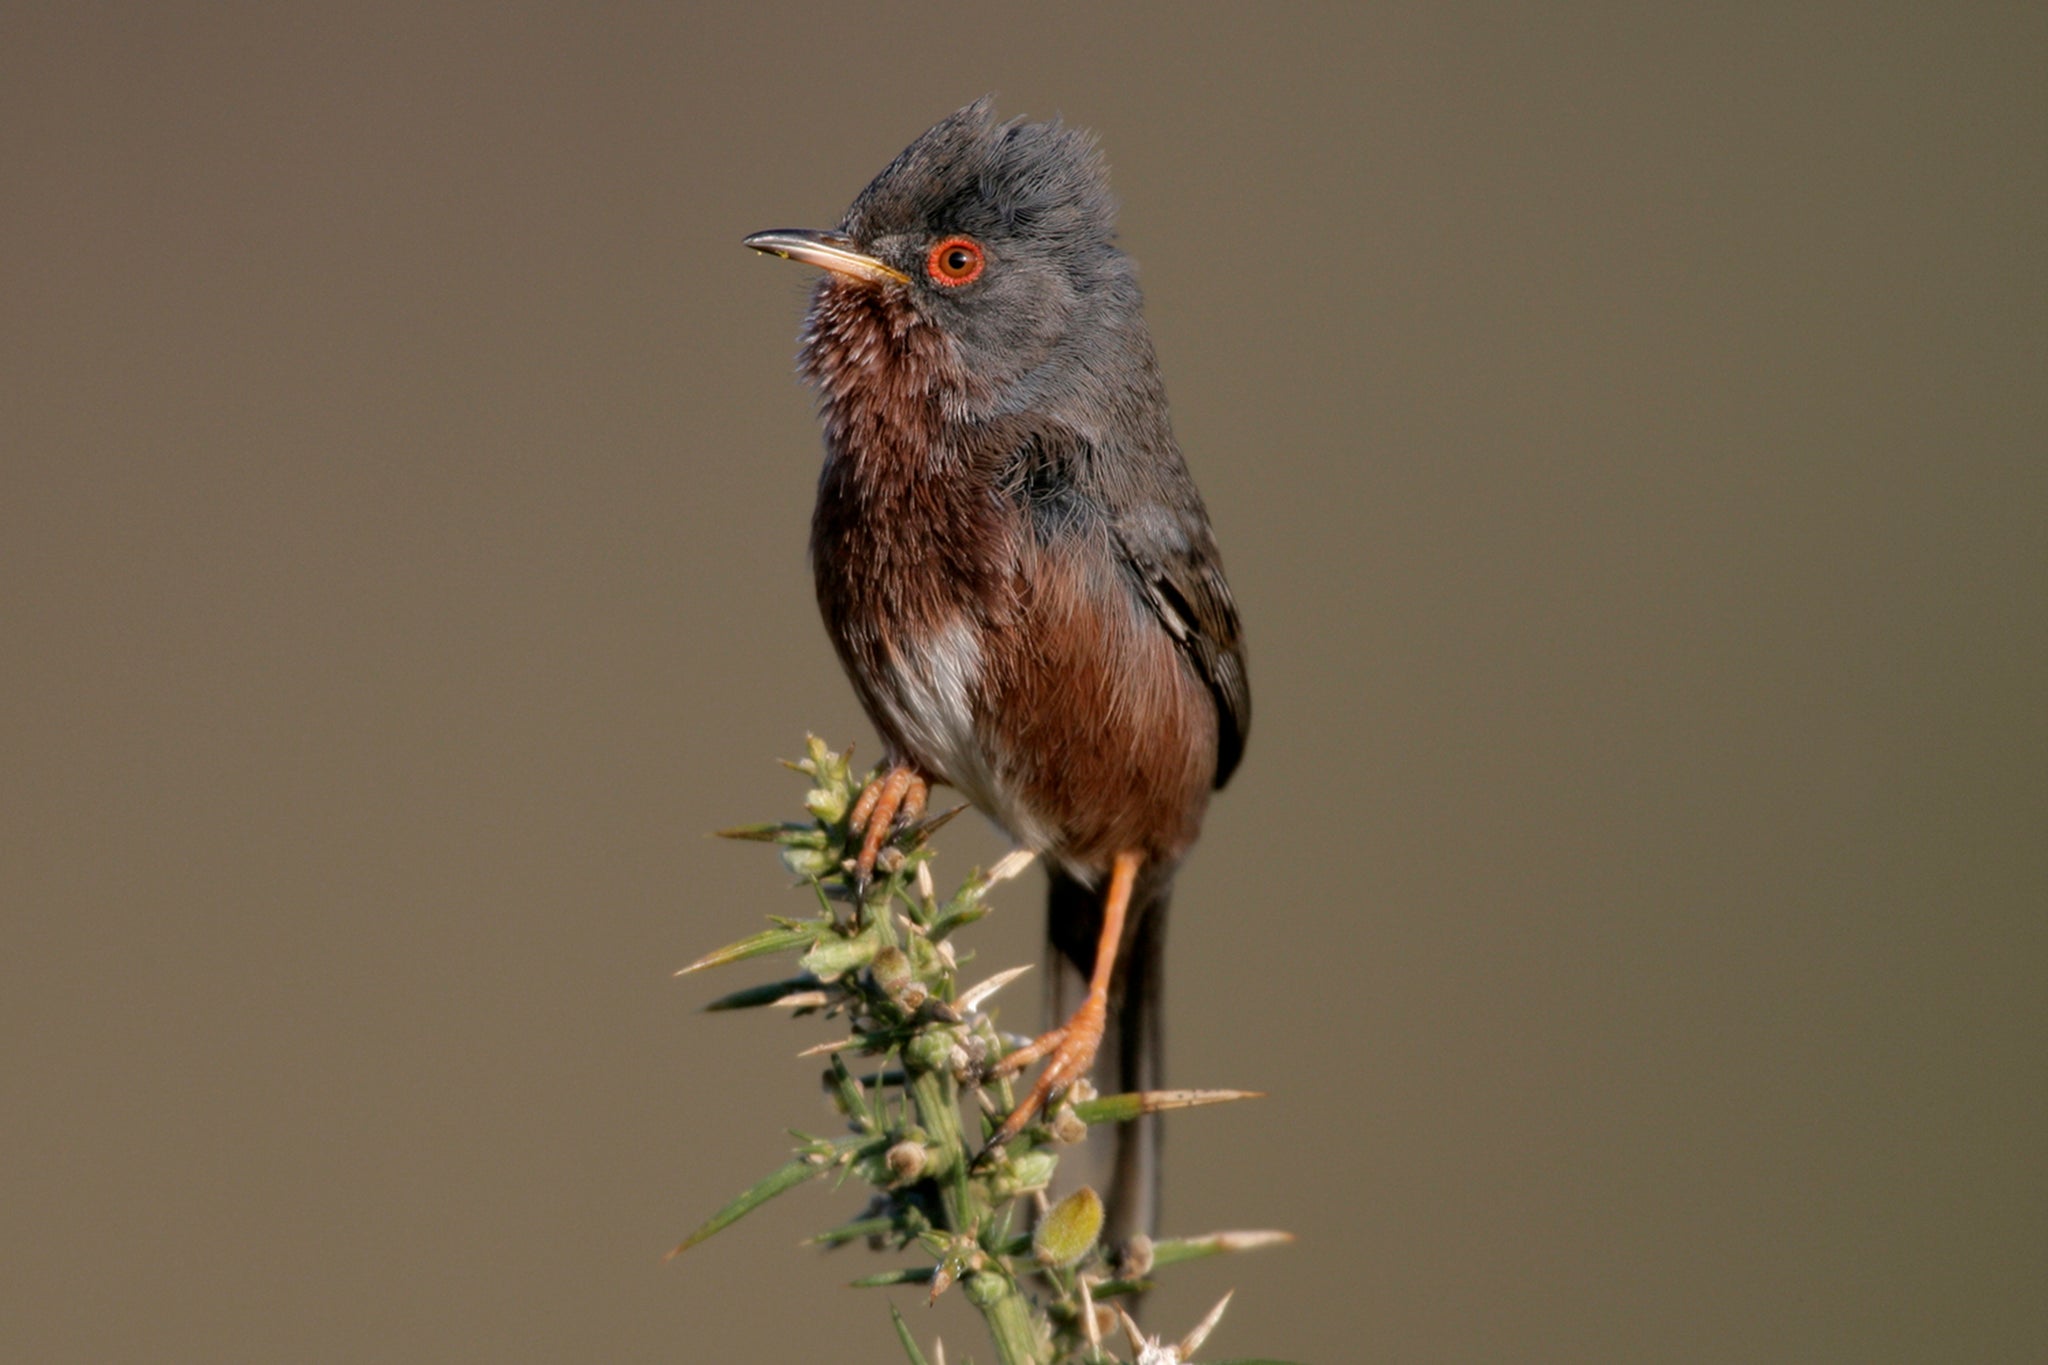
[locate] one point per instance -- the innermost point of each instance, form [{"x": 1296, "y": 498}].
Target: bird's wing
[
  {"x": 1163, "y": 543},
  {"x": 1185, "y": 587}
]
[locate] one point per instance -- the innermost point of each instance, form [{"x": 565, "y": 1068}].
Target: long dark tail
[{"x": 1133, "y": 1052}]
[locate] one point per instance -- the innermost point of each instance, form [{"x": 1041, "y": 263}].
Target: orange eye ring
[{"x": 955, "y": 261}]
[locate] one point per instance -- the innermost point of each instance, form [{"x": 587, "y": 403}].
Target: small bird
[{"x": 1014, "y": 564}]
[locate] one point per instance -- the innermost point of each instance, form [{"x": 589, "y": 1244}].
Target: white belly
[{"x": 929, "y": 700}]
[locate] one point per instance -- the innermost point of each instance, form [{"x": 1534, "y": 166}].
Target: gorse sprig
[{"x": 918, "y": 1046}]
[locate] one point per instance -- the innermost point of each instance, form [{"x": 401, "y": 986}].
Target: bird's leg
[
  {"x": 1072, "y": 1045},
  {"x": 898, "y": 794}
]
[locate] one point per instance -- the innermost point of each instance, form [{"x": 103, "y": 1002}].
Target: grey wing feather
[{"x": 1187, "y": 591}]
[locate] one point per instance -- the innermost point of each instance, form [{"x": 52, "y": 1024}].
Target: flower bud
[
  {"x": 806, "y": 862},
  {"x": 1134, "y": 1262},
  {"x": 892, "y": 971},
  {"x": 907, "y": 1161},
  {"x": 1069, "y": 1231},
  {"x": 930, "y": 1050},
  {"x": 827, "y": 803},
  {"x": 983, "y": 1289},
  {"x": 1031, "y": 1171}
]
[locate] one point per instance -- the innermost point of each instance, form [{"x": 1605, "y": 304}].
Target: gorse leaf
[
  {"x": 1124, "y": 1108},
  {"x": 903, "y": 1335},
  {"x": 786, "y": 1177},
  {"x": 779, "y": 940}
]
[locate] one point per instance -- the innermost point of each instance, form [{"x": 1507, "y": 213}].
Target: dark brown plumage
[{"x": 1011, "y": 559}]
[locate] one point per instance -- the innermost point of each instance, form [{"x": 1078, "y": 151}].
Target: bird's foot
[
  {"x": 1071, "y": 1048},
  {"x": 895, "y": 798},
  {"x": 1073, "y": 1045}
]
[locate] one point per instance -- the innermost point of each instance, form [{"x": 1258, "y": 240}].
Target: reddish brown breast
[
  {"x": 1093, "y": 720},
  {"x": 1024, "y": 672},
  {"x": 906, "y": 547}
]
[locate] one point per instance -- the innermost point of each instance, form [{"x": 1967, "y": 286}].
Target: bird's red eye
[{"x": 955, "y": 261}]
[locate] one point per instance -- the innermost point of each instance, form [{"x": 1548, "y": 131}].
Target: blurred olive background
[{"x": 1626, "y": 432}]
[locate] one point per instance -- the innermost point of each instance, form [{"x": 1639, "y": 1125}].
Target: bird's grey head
[{"x": 1000, "y": 237}]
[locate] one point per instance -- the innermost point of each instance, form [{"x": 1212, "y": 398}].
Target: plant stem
[
  {"x": 1009, "y": 1318},
  {"x": 938, "y": 1112},
  {"x": 1010, "y": 1322}
]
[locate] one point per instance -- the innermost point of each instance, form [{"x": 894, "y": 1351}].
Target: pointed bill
[{"x": 834, "y": 251}]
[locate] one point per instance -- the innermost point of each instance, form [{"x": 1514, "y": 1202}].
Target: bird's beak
[{"x": 833, "y": 250}]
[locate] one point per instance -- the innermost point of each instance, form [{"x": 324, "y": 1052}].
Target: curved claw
[
  {"x": 897, "y": 797},
  {"x": 1071, "y": 1047}
]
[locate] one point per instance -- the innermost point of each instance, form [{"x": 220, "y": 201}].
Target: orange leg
[
  {"x": 898, "y": 794},
  {"x": 1073, "y": 1044}
]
